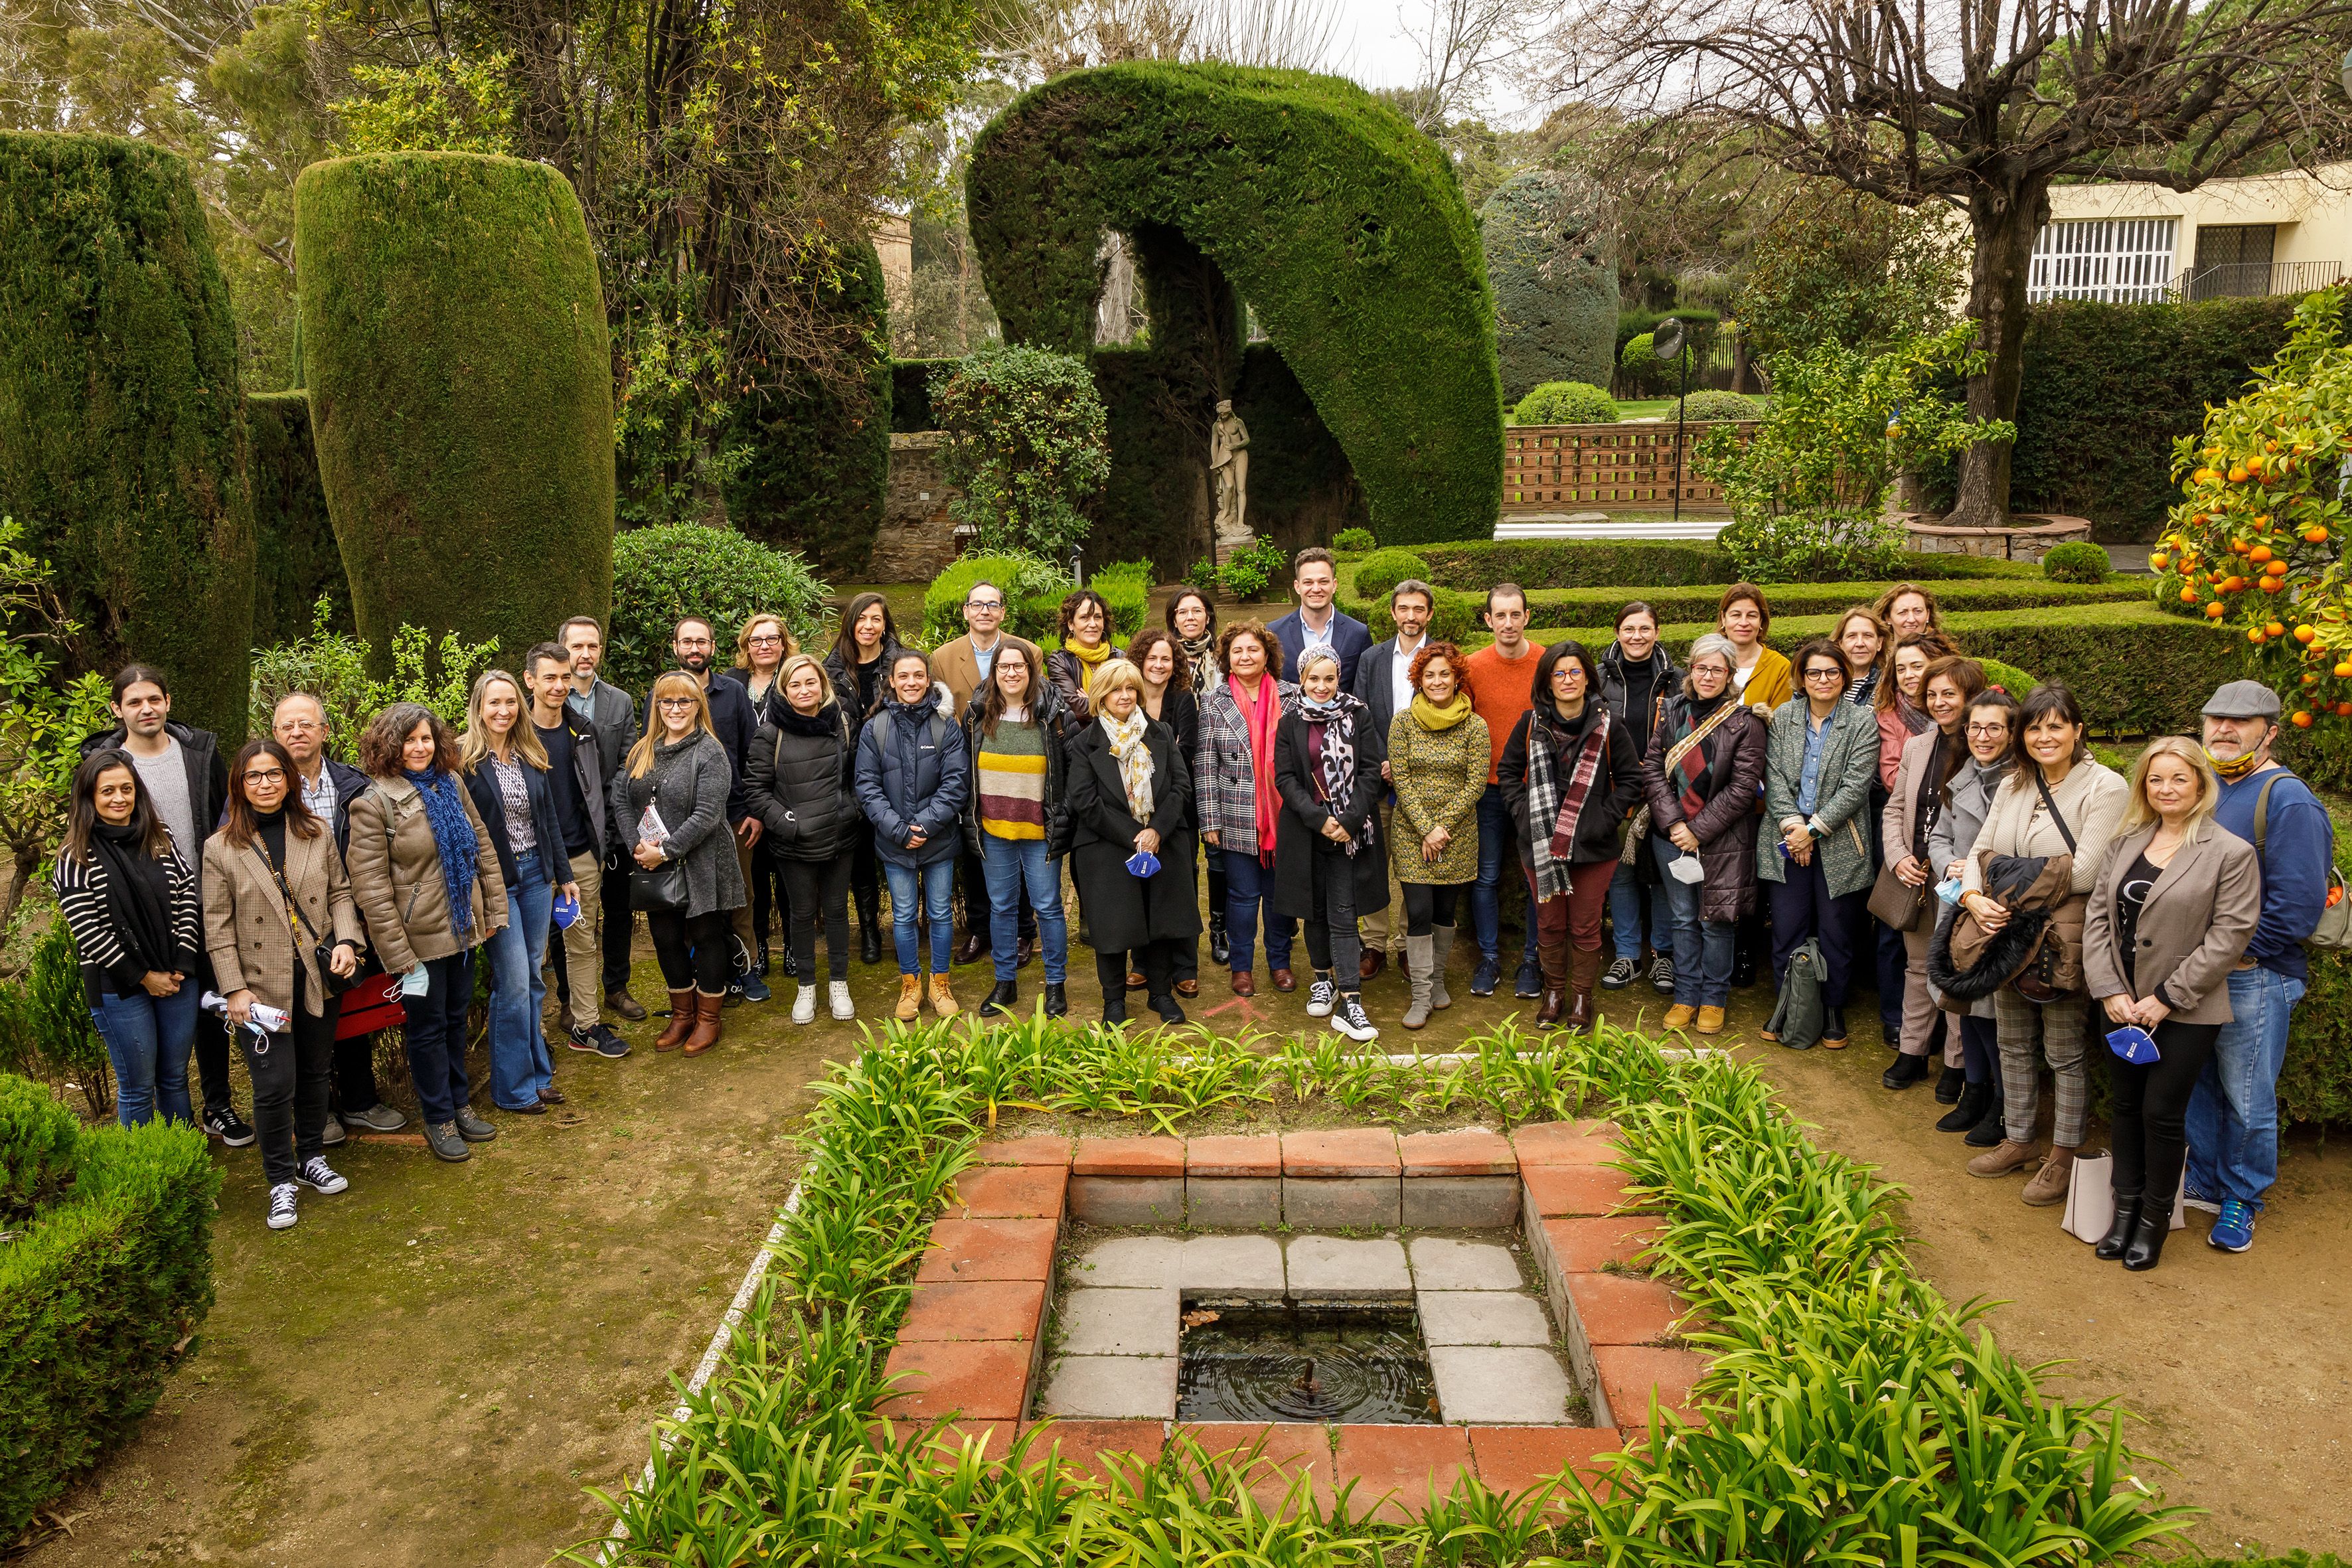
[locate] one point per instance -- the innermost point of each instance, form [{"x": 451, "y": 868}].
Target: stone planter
[{"x": 2029, "y": 536}]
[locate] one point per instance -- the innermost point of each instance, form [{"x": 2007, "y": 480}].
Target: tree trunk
[{"x": 2005, "y": 222}]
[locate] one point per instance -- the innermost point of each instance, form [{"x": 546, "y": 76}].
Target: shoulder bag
[
  {"x": 1894, "y": 902},
  {"x": 2053, "y": 973},
  {"x": 664, "y": 886}
]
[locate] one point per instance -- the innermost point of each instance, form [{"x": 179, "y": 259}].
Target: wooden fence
[{"x": 1572, "y": 468}]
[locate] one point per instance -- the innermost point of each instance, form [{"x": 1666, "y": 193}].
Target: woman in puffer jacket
[
  {"x": 914, "y": 773},
  {"x": 799, "y": 779}
]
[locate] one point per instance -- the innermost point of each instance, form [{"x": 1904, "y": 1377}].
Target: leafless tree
[
  {"x": 1462, "y": 43},
  {"x": 1046, "y": 39},
  {"x": 1979, "y": 105}
]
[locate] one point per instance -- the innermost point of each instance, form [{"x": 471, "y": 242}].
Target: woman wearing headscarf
[
  {"x": 1330, "y": 866},
  {"x": 1129, "y": 798}
]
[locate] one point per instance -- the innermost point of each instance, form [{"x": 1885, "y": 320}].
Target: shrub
[
  {"x": 296, "y": 561},
  {"x": 1125, "y": 587},
  {"x": 460, "y": 376},
  {"x": 48, "y": 718},
  {"x": 1354, "y": 539},
  {"x": 1341, "y": 223},
  {"x": 99, "y": 1295},
  {"x": 123, "y": 448},
  {"x": 1566, "y": 403},
  {"x": 333, "y": 666},
  {"x": 57, "y": 1015},
  {"x": 1025, "y": 445},
  {"x": 1248, "y": 570},
  {"x": 1707, "y": 407},
  {"x": 1825, "y": 545},
  {"x": 1551, "y": 261},
  {"x": 37, "y": 1143},
  {"x": 1383, "y": 569},
  {"x": 684, "y": 568},
  {"x": 1656, "y": 564},
  {"x": 1028, "y": 582},
  {"x": 2075, "y": 563}
]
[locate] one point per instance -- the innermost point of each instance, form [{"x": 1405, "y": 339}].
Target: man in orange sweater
[{"x": 1500, "y": 678}]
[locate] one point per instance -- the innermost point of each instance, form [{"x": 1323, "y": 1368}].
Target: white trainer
[
  {"x": 839, "y": 992},
  {"x": 805, "y": 1004}
]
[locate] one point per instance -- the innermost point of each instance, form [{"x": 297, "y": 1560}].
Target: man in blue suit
[{"x": 1317, "y": 622}]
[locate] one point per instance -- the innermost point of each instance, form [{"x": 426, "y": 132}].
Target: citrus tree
[{"x": 2255, "y": 544}]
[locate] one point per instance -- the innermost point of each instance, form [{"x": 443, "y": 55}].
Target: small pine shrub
[
  {"x": 1383, "y": 569},
  {"x": 36, "y": 1144},
  {"x": 1566, "y": 403},
  {"x": 2079, "y": 562},
  {"x": 58, "y": 1015},
  {"x": 1715, "y": 405}
]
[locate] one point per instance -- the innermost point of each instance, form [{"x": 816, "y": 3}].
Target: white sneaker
[
  {"x": 1349, "y": 1018},
  {"x": 838, "y": 991},
  {"x": 1318, "y": 999},
  {"x": 805, "y": 1004},
  {"x": 318, "y": 1175},
  {"x": 281, "y": 1205}
]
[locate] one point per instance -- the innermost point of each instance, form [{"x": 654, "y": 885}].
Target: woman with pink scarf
[{"x": 1239, "y": 807}]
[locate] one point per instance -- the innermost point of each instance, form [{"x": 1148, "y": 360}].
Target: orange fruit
[
  {"x": 2273, "y": 584},
  {"x": 2343, "y": 710},
  {"x": 2315, "y": 535},
  {"x": 2311, "y": 680},
  {"x": 2304, "y": 634},
  {"x": 2255, "y": 634},
  {"x": 2234, "y": 584},
  {"x": 2188, "y": 596},
  {"x": 2275, "y": 630},
  {"x": 2275, "y": 569},
  {"x": 2259, "y": 553},
  {"x": 2214, "y": 611},
  {"x": 2302, "y": 720},
  {"x": 2237, "y": 475},
  {"x": 2344, "y": 669}
]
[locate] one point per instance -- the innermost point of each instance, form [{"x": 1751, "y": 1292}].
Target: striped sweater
[
  {"x": 80, "y": 888},
  {"x": 1009, "y": 778}
]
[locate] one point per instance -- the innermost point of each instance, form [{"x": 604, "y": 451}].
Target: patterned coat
[
  {"x": 1225, "y": 780},
  {"x": 1842, "y": 799},
  {"x": 1439, "y": 775}
]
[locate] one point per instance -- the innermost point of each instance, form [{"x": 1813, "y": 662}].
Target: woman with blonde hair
[
  {"x": 762, "y": 647},
  {"x": 2170, "y": 917},
  {"x": 1128, "y": 792},
  {"x": 669, "y": 806}
]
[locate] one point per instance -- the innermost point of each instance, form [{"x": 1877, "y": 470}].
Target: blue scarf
[{"x": 453, "y": 837}]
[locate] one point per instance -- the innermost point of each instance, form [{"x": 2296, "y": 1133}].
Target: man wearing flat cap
[{"x": 2233, "y": 1114}]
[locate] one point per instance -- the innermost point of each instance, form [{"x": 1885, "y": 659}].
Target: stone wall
[
  {"x": 917, "y": 539},
  {"x": 2029, "y": 537}
]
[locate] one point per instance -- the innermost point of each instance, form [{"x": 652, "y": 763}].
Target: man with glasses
[
  {"x": 692, "y": 645},
  {"x": 965, "y": 666},
  {"x": 612, "y": 714}
]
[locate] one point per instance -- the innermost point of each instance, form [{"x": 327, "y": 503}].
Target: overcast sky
[{"x": 1373, "y": 47}]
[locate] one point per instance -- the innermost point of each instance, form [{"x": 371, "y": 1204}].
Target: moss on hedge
[
  {"x": 295, "y": 557},
  {"x": 1551, "y": 256},
  {"x": 121, "y": 441},
  {"x": 820, "y": 451},
  {"x": 461, "y": 391},
  {"x": 1337, "y": 220}
]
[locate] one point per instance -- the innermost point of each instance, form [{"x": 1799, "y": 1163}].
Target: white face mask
[{"x": 1686, "y": 869}]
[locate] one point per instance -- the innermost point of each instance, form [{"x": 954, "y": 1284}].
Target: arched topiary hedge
[
  {"x": 1337, "y": 220},
  {"x": 1551, "y": 255},
  {"x": 121, "y": 441},
  {"x": 461, "y": 393}
]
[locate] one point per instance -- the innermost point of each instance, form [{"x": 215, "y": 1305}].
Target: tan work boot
[
  {"x": 1679, "y": 1015},
  {"x": 2049, "y": 1185},
  {"x": 1710, "y": 1020},
  {"x": 2005, "y": 1157},
  {"x": 910, "y": 997},
  {"x": 944, "y": 1000}
]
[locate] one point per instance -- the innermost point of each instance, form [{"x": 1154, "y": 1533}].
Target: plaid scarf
[
  {"x": 1686, "y": 760},
  {"x": 1548, "y": 801}
]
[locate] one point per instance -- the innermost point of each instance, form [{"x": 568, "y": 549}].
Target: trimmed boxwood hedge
[
  {"x": 121, "y": 442},
  {"x": 295, "y": 556},
  {"x": 1641, "y": 567},
  {"x": 99, "y": 1294},
  {"x": 1551, "y": 256},
  {"x": 1339, "y": 221},
  {"x": 460, "y": 378}
]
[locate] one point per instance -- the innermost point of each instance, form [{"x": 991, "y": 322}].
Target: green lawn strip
[{"x": 1852, "y": 1415}]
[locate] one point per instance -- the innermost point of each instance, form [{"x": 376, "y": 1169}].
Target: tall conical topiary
[
  {"x": 121, "y": 441},
  {"x": 1551, "y": 256},
  {"x": 460, "y": 377}
]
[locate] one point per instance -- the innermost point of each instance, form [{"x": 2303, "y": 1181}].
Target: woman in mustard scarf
[
  {"x": 1086, "y": 645},
  {"x": 1438, "y": 753}
]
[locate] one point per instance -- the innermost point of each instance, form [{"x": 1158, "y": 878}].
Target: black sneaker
[
  {"x": 610, "y": 1046},
  {"x": 224, "y": 1123},
  {"x": 1529, "y": 983},
  {"x": 1662, "y": 974},
  {"x": 1486, "y": 977},
  {"x": 320, "y": 1176},
  {"x": 1620, "y": 973},
  {"x": 582, "y": 1037},
  {"x": 281, "y": 1205},
  {"x": 1348, "y": 1018}
]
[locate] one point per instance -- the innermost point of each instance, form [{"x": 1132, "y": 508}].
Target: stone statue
[{"x": 1229, "y": 471}]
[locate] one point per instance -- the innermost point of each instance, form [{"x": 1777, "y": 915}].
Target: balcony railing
[{"x": 2242, "y": 279}]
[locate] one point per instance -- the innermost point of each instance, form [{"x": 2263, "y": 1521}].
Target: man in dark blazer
[
  {"x": 612, "y": 713},
  {"x": 1383, "y": 684},
  {"x": 1315, "y": 581}
]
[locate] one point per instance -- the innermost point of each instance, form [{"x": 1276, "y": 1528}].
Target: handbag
[
  {"x": 663, "y": 887},
  {"x": 1895, "y": 903},
  {"x": 2091, "y": 1199},
  {"x": 2052, "y": 973}
]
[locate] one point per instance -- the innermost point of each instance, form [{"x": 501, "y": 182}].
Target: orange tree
[{"x": 2256, "y": 542}]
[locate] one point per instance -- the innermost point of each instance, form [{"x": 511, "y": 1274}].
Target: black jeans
[
  {"x": 436, "y": 1036},
  {"x": 819, "y": 893},
  {"x": 290, "y": 1074},
  {"x": 692, "y": 949},
  {"x": 2147, "y": 1109},
  {"x": 1332, "y": 945},
  {"x": 620, "y": 920},
  {"x": 770, "y": 890},
  {"x": 1428, "y": 904},
  {"x": 866, "y": 875}
]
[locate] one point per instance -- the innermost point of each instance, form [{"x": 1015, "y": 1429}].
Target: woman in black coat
[
  {"x": 859, "y": 669},
  {"x": 1169, "y": 698},
  {"x": 798, "y": 779},
  {"x": 1119, "y": 762},
  {"x": 1330, "y": 865},
  {"x": 1567, "y": 725}
]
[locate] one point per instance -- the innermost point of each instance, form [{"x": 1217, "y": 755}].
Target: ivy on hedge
[
  {"x": 121, "y": 444},
  {"x": 99, "y": 1293},
  {"x": 460, "y": 379},
  {"x": 1338, "y": 220},
  {"x": 295, "y": 557}
]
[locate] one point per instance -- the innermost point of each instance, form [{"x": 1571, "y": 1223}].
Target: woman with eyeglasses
[
  {"x": 1991, "y": 731},
  {"x": 1017, "y": 819},
  {"x": 281, "y": 926},
  {"x": 1820, "y": 764},
  {"x": 761, "y": 650},
  {"x": 859, "y": 666}
]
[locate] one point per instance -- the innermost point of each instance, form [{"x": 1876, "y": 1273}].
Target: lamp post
[
  {"x": 1079, "y": 565},
  {"x": 1668, "y": 340}
]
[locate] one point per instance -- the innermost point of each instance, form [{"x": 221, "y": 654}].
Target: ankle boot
[
  {"x": 1968, "y": 1110},
  {"x": 681, "y": 1021},
  {"x": 1057, "y": 1003},
  {"x": 1441, "y": 951},
  {"x": 944, "y": 1000},
  {"x": 1993, "y": 1129},
  {"x": 1584, "y": 972},
  {"x": 1553, "y": 958},
  {"x": 1417, "y": 968},
  {"x": 1220, "y": 947},
  {"x": 2111, "y": 1246},
  {"x": 910, "y": 998},
  {"x": 2145, "y": 1248},
  {"x": 707, "y": 1026},
  {"x": 1002, "y": 1001}
]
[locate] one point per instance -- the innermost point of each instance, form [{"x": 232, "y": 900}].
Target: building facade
[{"x": 2266, "y": 234}]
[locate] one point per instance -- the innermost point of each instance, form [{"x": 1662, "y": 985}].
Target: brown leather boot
[
  {"x": 707, "y": 1025},
  {"x": 1584, "y": 972},
  {"x": 1554, "y": 960},
  {"x": 681, "y": 1021}
]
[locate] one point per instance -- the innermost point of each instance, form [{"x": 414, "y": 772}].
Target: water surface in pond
[{"x": 1281, "y": 1363}]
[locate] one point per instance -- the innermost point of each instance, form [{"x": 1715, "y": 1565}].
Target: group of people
[{"x": 1871, "y": 805}]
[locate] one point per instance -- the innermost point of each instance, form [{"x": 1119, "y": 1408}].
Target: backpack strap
[{"x": 2262, "y": 810}]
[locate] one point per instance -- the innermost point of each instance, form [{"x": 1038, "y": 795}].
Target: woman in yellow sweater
[{"x": 1760, "y": 676}]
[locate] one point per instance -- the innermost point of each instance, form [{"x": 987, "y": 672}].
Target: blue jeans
[
  {"x": 147, "y": 1038},
  {"x": 1625, "y": 911},
  {"x": 1248, "y": 882},
  {"x": 2233, "y": 1114},
  {"x": 1703, "y": 971},
  {"x": 1008, "y": 865},
  {"x": 936, "y": 883},
  {"x": 520, "y": 1064},
  {"x": 1495, "y": 846}
]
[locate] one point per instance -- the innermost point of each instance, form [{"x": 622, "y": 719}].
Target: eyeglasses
[
  {"x": 301, "y": 726},
  {"x": 694, "y": 642},
  {"x": 983, "y": 604},
  {"x": 676, "y": 702},
  {"x": 1993, "y": 729},
  {"x": 270, "y": 776},
  {"x": 1826, "y": 675},
  {"x": 763, "y": 639}
]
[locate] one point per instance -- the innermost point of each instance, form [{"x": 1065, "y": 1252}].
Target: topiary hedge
[
  {"x": 461, "y": 393},
  {"x": 1566, "y": 403},
  {"x": 1382, "y": 570},
  {"x": 819, "y": 467},
  {"x": 1713, "y": 405},
  {"x": 1551, "y": 258},
  {"x": 121, "y": 442},
  {"x": 1641, "y": 566},
  {"x": 296, "y": 560},
  {"x": 2076, "y": 563},
  {"x": 100, "y": 1291},
  {"x": 1336, "y": 219},
  {"x": 685, "y": 568}
]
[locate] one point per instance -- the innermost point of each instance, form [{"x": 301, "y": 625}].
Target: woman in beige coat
[
  {"x": 425, "y": 876},
  {"x": 2170, "y": 915}
]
